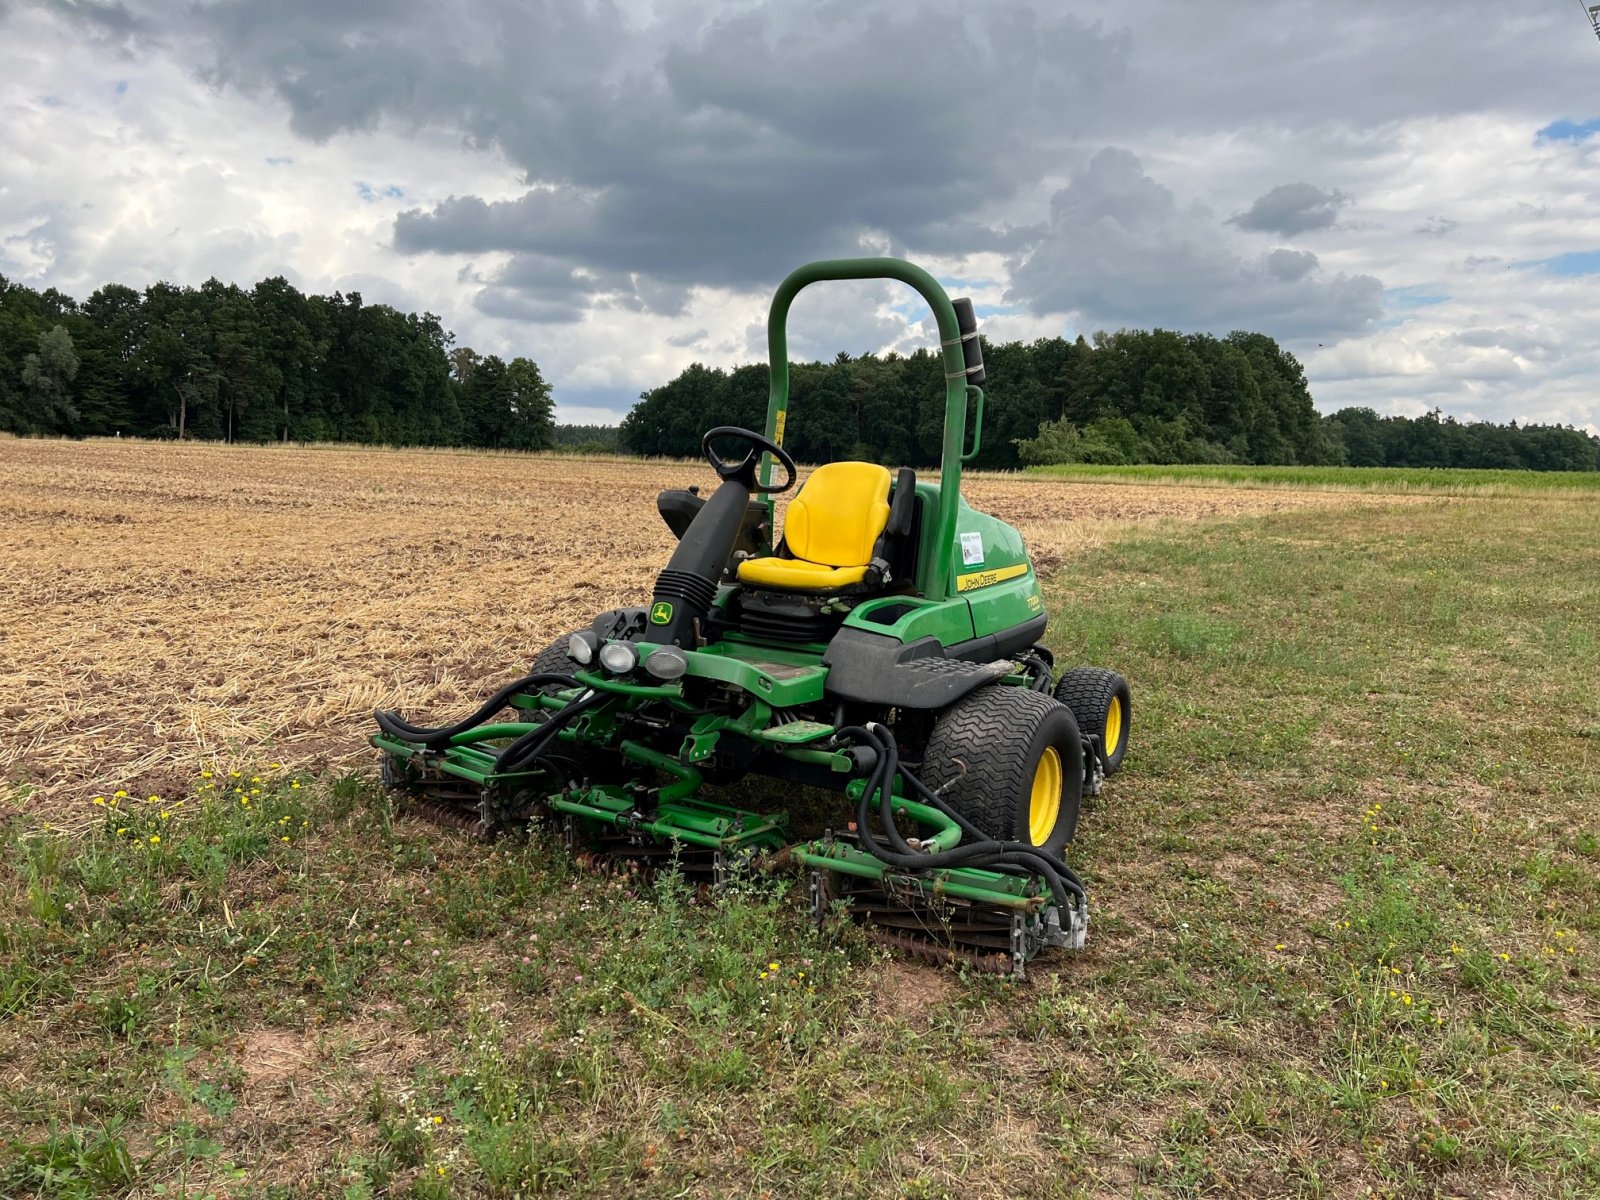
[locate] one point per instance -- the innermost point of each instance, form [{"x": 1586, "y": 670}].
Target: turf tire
[
  {"x": 554, "y": 658},
  {"x": 1001, "y": 734},
  {"x": 1090, "y": 693}
]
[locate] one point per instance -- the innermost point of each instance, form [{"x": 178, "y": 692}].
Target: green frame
[{"x": 938, "y": 579}]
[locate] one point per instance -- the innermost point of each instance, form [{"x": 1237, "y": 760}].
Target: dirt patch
[
  {"x": 911, "y": 991},
  {"x": 269, "y": 1057}
]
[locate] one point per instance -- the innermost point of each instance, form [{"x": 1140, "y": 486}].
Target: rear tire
[
  {"x": 1103, "y": 706},
  {"x": 1023, "y": 759}
]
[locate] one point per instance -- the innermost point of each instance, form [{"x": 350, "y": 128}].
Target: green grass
[
  {"x": 1450, "y": 480},
  {"x": 1346, "y": 940}
]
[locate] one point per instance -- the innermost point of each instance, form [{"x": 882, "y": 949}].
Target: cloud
[
  {"x": 613, "y": 187},
  {"x": 1292, "y": 208},
  {"x": 1119, "y": 250},
  {"x": 716, "y": 154}
]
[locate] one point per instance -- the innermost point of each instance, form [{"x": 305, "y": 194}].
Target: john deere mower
[{"x": 886, "y": 647}]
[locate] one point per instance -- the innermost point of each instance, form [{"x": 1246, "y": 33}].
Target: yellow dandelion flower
[
  {"x": 100, "y": 800},
  {"x": 152, "y": 800},
  {"x": 295, "y": 785},
  {"x": 1503, "y": 956},
  {"x": 275, "y": 766},
  {"x": 119, "y": 794},
  {"x": 205, "y": 774},
  {"x": 438, "y": 1120},
  {"x": 1406, "y": 1000},
  {"x": 763, "y": 974},
  {"x": 1279, "y": 946},
  {"x": 772, "y": 966},
  {"x": 122, "y": 830},
  {"x": 155, "y": 839},
  {"x": 283, "y": 839}
]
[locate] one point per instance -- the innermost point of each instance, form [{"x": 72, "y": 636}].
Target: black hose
[
  {"x": 531, "y": 745},
  {"x": 398, "y": 727},
  {"x": 1040, "y": 670},
  {"x": 984, "y": 852}
]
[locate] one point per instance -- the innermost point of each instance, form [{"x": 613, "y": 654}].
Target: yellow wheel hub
[
  {"x": 1044, "y": 805},
  {"x": 1113, "y": 734}
]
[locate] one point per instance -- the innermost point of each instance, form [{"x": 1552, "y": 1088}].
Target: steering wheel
[{"x": 744, "y": 470}]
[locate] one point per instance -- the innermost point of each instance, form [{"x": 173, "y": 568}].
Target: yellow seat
[{"x": 832, "y": 529}]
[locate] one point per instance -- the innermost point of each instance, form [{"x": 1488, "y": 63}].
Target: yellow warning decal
[
  {"x": 777, "y": 428},
  {"x": 983, "y": 579}
]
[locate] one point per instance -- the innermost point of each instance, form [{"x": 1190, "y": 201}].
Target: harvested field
[{"x": 169, "y": 605}]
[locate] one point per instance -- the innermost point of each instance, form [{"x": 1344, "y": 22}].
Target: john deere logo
[{"x": 660, "y": 613}]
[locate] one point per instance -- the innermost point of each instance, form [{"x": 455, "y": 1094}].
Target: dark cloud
[
  {"x": 103, "y": 16},
  {"x": 1290, "y": 265},
  {"x": 1121, "y": 250},
  {"x": 1292, "y": 208},
  {"x": 713, "y": 152}
]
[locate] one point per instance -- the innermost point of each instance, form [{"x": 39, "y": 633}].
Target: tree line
[
  {"x": 270, "y": 363},
  {"x": 274, "y": 364},
  {"x": 1135, "y": 396}
]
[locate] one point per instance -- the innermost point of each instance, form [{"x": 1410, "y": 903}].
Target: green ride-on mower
[{"x": 887, "y": 646}]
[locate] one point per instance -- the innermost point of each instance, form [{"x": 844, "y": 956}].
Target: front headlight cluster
[{"x": 622, "y": 658}]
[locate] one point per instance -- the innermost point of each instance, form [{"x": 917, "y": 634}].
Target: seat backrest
[{"x": 839, "y": 514}]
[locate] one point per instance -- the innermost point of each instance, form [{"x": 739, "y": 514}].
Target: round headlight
[
  {"x": 667, "y": 663},
  {"x": 581, "y": 646},
  {"x": 618, "y": 657}
]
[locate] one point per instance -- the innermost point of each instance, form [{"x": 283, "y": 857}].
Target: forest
[
  {"x": 268, "y": 364},
  {"x": 274, "y": 364},
  {"x": 1134, "y": 396}
]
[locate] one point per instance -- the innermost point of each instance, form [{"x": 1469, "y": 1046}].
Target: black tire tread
[
  {"x": 554, "y": 658},
  {"x": 1088, "y": 691},
  {"x": 992, "y": 731}
]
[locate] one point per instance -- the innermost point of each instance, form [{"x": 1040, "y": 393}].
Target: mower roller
[{"x": 887, "y": 647}]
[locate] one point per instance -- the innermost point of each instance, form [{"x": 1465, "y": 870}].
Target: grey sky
[{"x": 615, "y": 188}]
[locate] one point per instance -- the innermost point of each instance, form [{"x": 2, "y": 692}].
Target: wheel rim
[
  {"x": 1113, "y": 734},
  {"x": 1044, "y": 805}
]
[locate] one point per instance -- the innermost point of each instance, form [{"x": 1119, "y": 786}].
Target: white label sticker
[{"x": 971, "y": 549}]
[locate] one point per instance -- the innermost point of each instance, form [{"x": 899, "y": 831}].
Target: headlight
[
  {"x": 667, "y": 663},
  {"x": 619, "y": 657},
  {"x": 581, "y": 647}
]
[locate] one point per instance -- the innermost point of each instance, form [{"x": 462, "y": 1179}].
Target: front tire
[{"x": 1013, "y": 760}]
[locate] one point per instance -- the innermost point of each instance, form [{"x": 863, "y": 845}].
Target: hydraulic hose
[
  {"x": 1040, "y": 671},
  {"x": 984, "y": 852},
  {"x": 436, "y": 739},
  {"x": 531, "y": 745}
]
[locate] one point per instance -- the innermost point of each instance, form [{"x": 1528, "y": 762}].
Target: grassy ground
[
  {"x": 1453, "y": 480},
  {"x": 1346, "y": 940}
]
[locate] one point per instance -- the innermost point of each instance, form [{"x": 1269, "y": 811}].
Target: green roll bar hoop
[{"x": 954, "y": 452}]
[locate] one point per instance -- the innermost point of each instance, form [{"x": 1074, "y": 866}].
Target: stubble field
[{"x": 164, "y": 606}]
